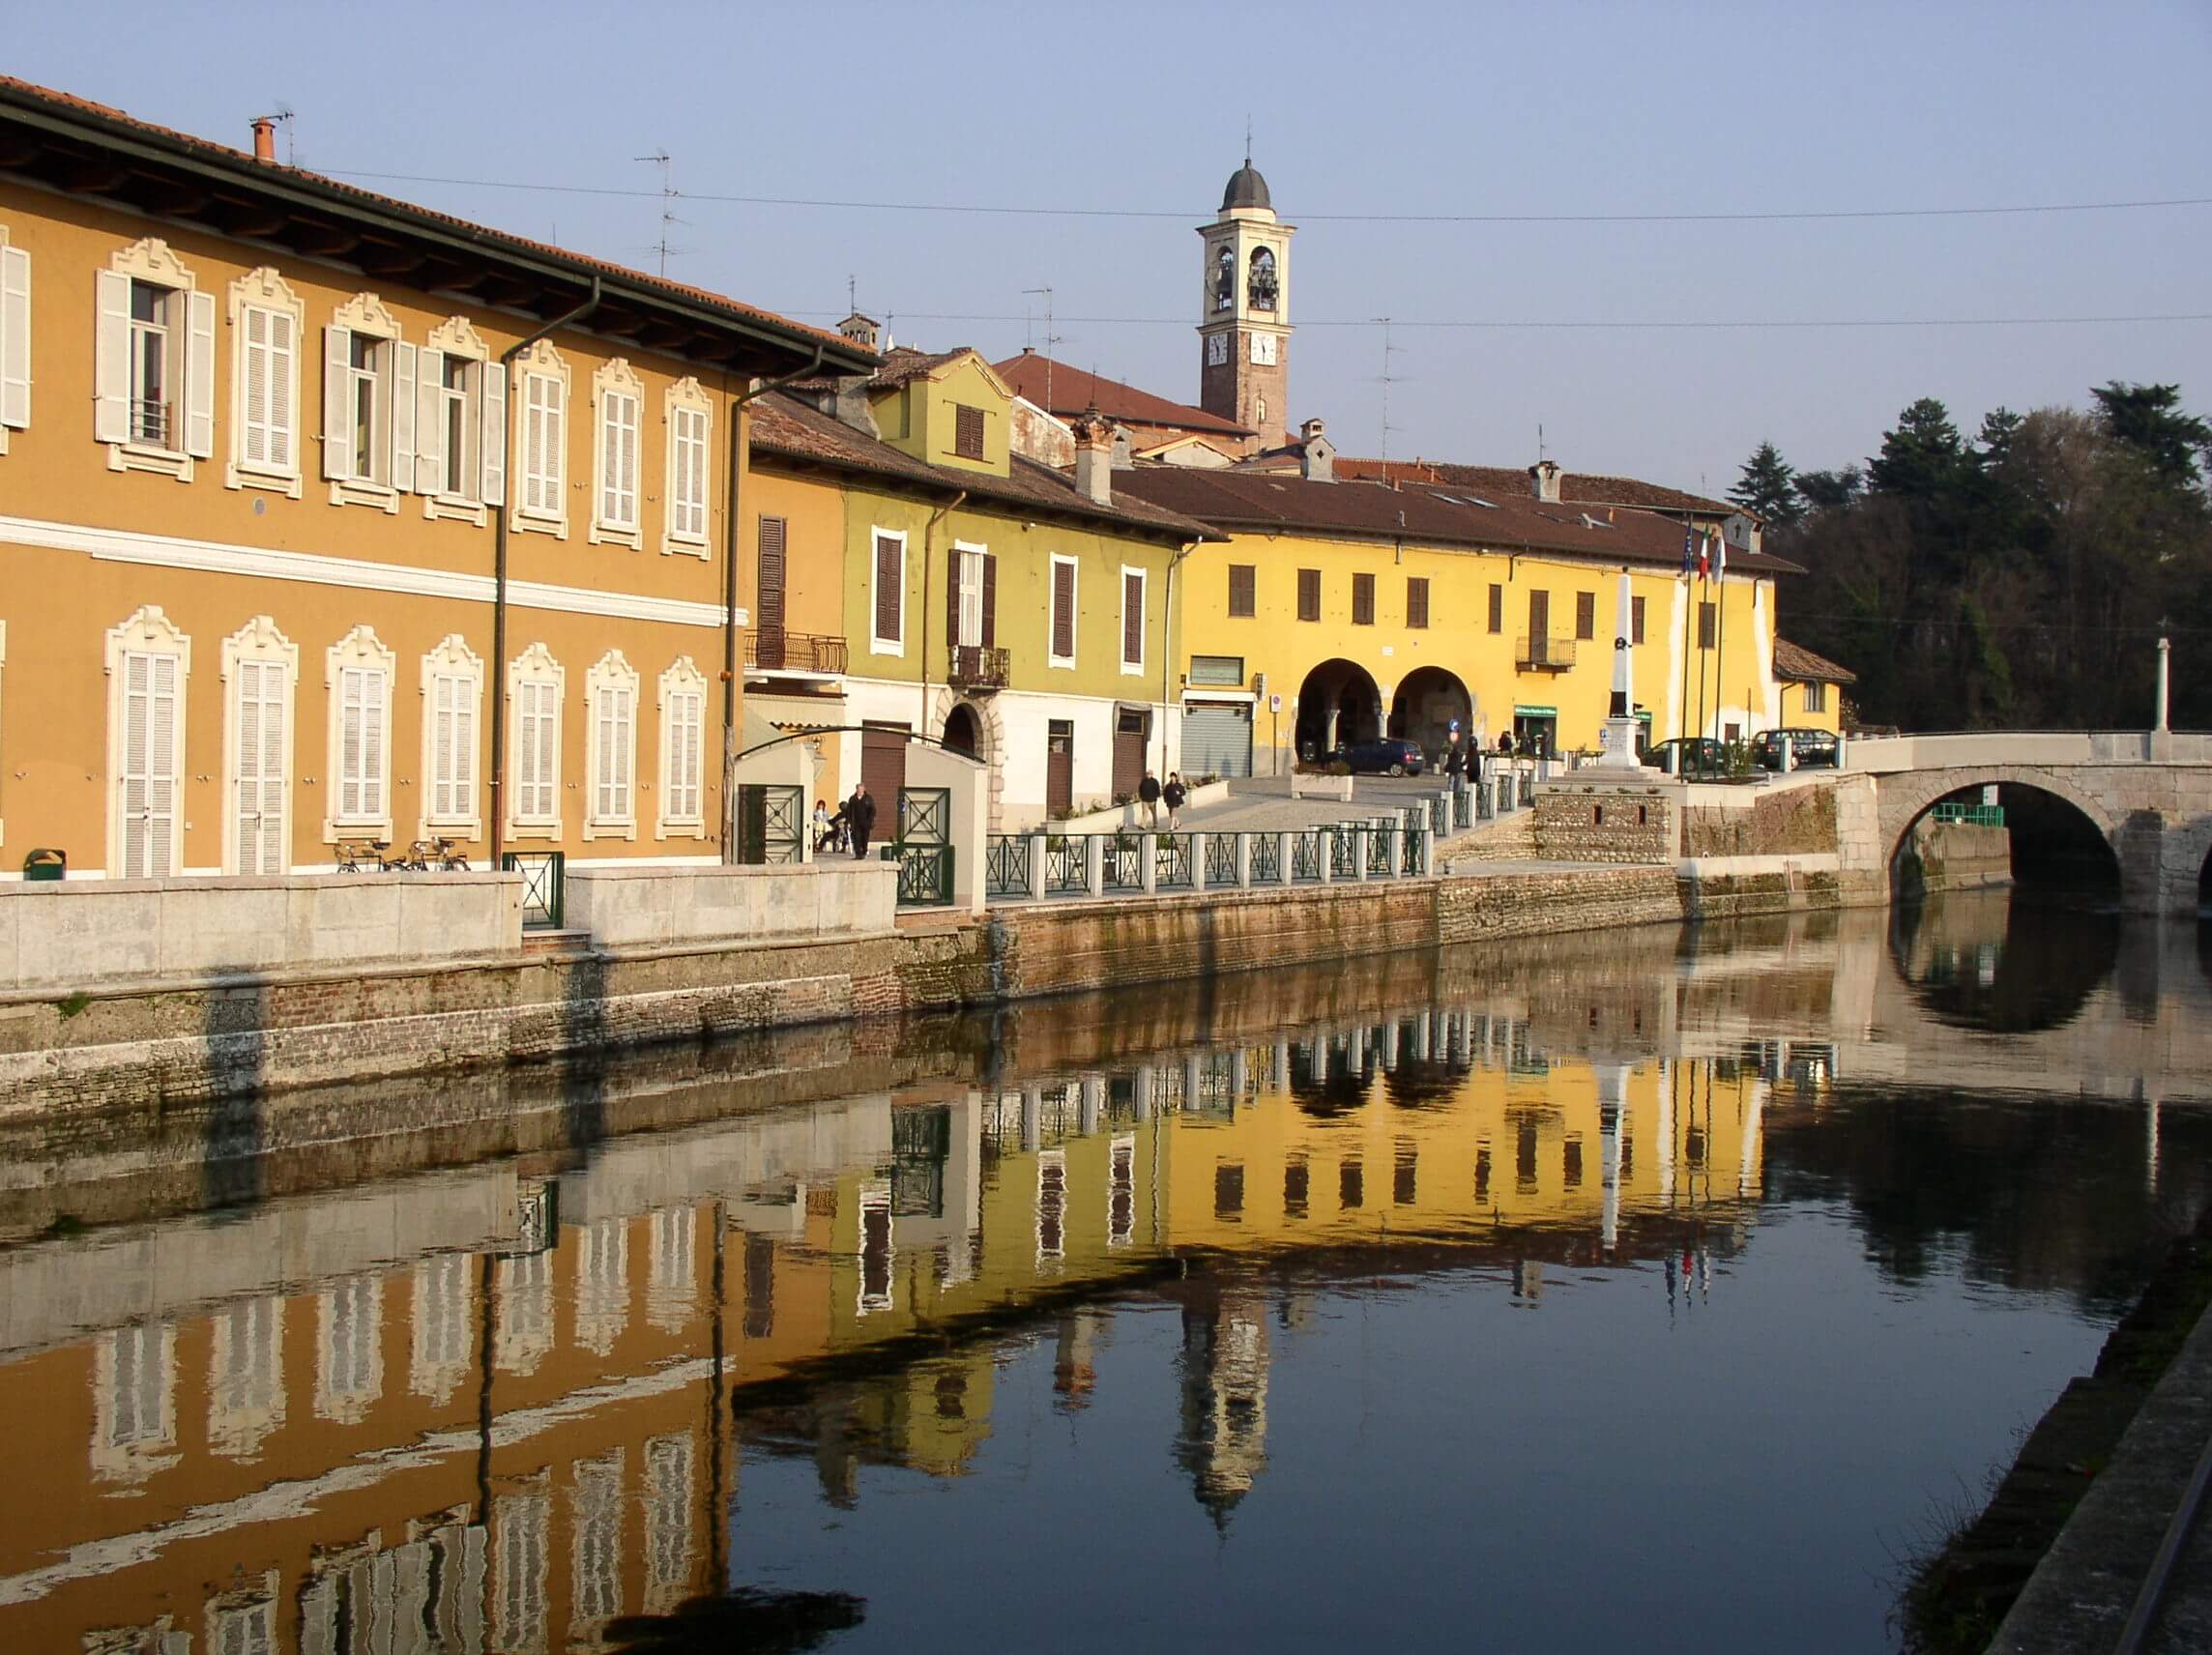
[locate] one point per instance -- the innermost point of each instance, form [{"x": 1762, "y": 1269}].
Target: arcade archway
[
  {"x": 1338, "y": 704},
  {"x": 962, "y": 734},
  {"x": 1427, "y": 703}
]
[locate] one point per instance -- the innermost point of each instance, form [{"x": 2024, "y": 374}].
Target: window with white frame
[
  {"x": 369, "y": 405},
  {"x": 690, "y": 425},
  {"x": 452, "y": 691},
  {"x": 610, "y": 691},
  {"x": 154, "y": 362},
  {"x": 683, "y": 750},
  {"x": 149, "y": 660},
  {"x": 969, "y": 617},
  {"x": 536, "y": 684},
  {"x": 267, "y": 319},
  {"x": 349, "y": 1348},
  {"x": 1132, "y": 620},
  {"x": 259, "y": 667},
  {"x": 619, "y": 394},
  {"x": 461, "y": 415},
  {"x": 542, "y": 441},
  {"x": 359, "y": 680},
  {"x": 15, "y": 339},
  {"x": 1814, "y": 698},
  {"x": 134, "y": 1425}
]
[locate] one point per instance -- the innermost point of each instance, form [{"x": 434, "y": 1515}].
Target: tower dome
[{"x": 1247, "y": 189}]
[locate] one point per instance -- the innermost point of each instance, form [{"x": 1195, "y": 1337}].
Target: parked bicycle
[
  {"x": 424, "y": 854},
  {"x": 354, "y": 853}
]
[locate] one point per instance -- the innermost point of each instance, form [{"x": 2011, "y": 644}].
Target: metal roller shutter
[{"x": 1217, "y": 740}]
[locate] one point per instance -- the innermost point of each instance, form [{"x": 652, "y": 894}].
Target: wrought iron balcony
[
  {"x": 1541, "y": 654},
  {"x": 971, "y": 666},
  {"x": 779, "y": 650}
]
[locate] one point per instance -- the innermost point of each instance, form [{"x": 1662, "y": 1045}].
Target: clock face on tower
[
  {"x": 1264, "y": 350},
  {"x": 1216, "y": 349}
]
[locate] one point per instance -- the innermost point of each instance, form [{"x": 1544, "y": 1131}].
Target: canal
[{"x": 1655, "y": 1290}]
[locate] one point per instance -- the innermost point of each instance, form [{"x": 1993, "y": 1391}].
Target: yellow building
[
  {"x": 1341, "y": 609},
  {"x": 1812, "y": 689},
  {"x": 331, "y": 519},
  {"x": 915, "y": 578}
]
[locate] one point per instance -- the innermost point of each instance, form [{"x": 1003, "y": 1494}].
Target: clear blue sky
[{"x": 1402, "y": 109}]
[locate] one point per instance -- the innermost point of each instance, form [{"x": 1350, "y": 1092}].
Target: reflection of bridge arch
[
  {"x": 1427, "y": 700},
  {"x": 1338, "y": 704},
  {"x": 1908, "y": 795}
]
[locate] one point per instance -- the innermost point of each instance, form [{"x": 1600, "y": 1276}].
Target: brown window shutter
[
  {"x": 1242, "y": 580},
  {"x": 888, "y": 589},
  {"x": 1585, "y": 615},
  {"x": 1064, "y": 611},
  {"x": 1417, "y": 600},
  {"x": 1309, "y": 595},
  {"x": 1363, "y": 600},
  {"x": 1636, "y": 620},
  {"x": 953, "y": 573},
  {"x": 990, "y": 600},
  {"x": 1497, "y": 608},
  {"x": 1705, "y": 625},
  {"x": 770, "y": 577},
  {"x": 968, "y": 432},
  {"x": 1132, "y": 619},
  {"x": 1539, "y": 621}
]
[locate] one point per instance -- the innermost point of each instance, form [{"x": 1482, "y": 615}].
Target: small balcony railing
[
  {"x": 794, "y": 651},
  {"x": 1541, "y": 654},
  {"x": 971, "y": 666}
]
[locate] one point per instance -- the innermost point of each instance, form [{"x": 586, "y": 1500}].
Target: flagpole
[
  {"x": 1705, "y": 580},
  {"x": 1689, "y": 603},
  {"x": 1720, "y": 642}
]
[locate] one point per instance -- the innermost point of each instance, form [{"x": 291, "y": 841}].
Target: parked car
[
  {"x": 1689, "y": 756},
  {"x": 1389, "y": 756},
  {"x": 1808, "y": 749}
]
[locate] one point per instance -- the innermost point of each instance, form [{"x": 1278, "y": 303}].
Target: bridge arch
[{"x": 1909, "y": 797}]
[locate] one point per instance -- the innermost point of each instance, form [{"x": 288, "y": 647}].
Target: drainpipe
[
  {"x": 498, "y": 686},
  {"x": 928, "y": 541},
  {"x": 730, "y": 599},
  {"x": 1167, "y": 649}
]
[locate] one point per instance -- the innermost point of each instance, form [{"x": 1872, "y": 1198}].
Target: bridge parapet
[{"x": 1887, "y": 755}]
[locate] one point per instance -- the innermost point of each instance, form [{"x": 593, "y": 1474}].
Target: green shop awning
[{"x": 1535, "y": 713}]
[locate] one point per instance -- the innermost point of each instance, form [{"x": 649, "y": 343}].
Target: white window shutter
[
  {"x": 349, "y": 743},
  {"x": 111, "y": 359},
  {"x": 284, "y": 381},
  {"x": 372, "y": 745},
  {"x": 464, "y": 745},
  {"x": 402, "y": 414},
  {"x": 429, "y": 422},
  {"x": 493, "y": 448},
  {"x": 199, "y": 376},
  {"x": 253, "y": 384},
  {"x": 337, "y": 419},
  {"x": 14, "y": 338},
  {"x": 603, "y": 808}
]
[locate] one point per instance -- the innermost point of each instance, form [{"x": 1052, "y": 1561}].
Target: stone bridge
[{"x": 2148, "y": 793}]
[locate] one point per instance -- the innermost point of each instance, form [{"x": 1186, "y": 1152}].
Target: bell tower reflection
[{"x": 1223, "y": 1440}]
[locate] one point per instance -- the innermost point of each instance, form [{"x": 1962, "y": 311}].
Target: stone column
[
  {"x": 1244, "y": 860},
  {"x": 1197, "y": 862},
  {"x": 1283, "y": 855},
  {"x": 1148, "y": 864},
  {"x": 1037, "y": 868},
  {"x": 1032, "y": 1118},
  {"x": 1359, "y": 853},
  {"x": 1093, "y": 1105},
  {"x": 1094, "y": 864}
]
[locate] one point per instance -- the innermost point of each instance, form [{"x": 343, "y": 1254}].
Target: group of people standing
[
  {"x": 1151, "y": 795},
  {"x": 852, "y": 824}
]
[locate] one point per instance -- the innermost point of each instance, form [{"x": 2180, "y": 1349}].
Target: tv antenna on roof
[
  {"x": 1387, "y": 378},
  {"x": 1051, "y": 340},
  {"x": 668, "y": 194},
  {"x": 284, "y": 116}
]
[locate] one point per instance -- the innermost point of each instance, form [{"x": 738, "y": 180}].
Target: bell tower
[{"x": 1244, "y": 316}]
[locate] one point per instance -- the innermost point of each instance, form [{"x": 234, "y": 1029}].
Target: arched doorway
[
  {"x": 1427, "y": 703},
  {"x": 962, "y": 734},
  {"x": 2049, "y": 844},
  {"x": 1338, "y": 704}
]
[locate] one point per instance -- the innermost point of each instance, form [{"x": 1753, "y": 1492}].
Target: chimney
[
  {"x": 1316, "y": 456},
  {"x": 1545, "y": 475},
  {"x": 264, "y": 138},
  {"x": 863, "y": 331},
  {"x": 1094, "y": 456}
]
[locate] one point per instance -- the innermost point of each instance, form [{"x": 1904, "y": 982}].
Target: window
[
  {"x": 369, "y": 405},
  {"x": 966, "y": 431},
  {"x": 683, "y": 750},
  {"x": 259, "y": 665},
  {"x": 889, "y": 598},
  {"x": 267, "y": 319},
  {"x": 359, "y": 680},
  {"x": 15, "y": 339},
  {"x": 690, "y": 419},
  {"x": 349, "y": 1349},
  {"x": 1063, "y": 578},
  {"x": 1309, "y": 595},
  {"x": 1223, "y": 671},
  {"x": 1636, "y": 620},
  {"x": 460, "y": 425},
  {"x": 966, "y": 596},
  {"x": 544, "y": 441},
  {"x": 1814, "y": 698},
  {"x": 610, "y": 761},
  {"x": 1585, "y": 615},
  {"x": 1262, "y": 288},
  {"x": 619, "y": 394},
  {"x": 1132, "y": 620},
  {"x": 148, "y": 661},
  {"x": 1706, "y": 621},
  {"x": 1416, "y": 601},
  {"x": 1497, "y": 608},
  {"x": 453, "y": 689},
  {"x": 536, "y": 683},
  {"x": 1363, "y": 600},
  {"x": 1241, "y": 594},
  {"x": 154, "y": 362}
]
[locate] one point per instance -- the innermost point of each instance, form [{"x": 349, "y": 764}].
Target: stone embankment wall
[
  {"x": 1954, "y": 855},
  {"x": 1800, "y": 821},
  {"x": 1605, "y": 823}
]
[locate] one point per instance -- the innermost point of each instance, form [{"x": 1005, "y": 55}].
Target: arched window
[
  {"x": 1262, "y": 291},
  {"x": 1225, "y": 279}
]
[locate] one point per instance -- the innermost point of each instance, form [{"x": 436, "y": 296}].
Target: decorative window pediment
[
  {"x": 457, "y": 336},
  {"x": 618, "y": 509},
  {"x": 267, "y": 323},
  {"x": 365, "y": 313}
]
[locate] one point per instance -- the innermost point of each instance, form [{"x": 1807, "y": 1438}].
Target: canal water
[{"x": 1655, "y": 1290}]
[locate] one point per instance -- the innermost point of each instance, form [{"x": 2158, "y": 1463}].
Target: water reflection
[{"x": 541, "y": 1391}]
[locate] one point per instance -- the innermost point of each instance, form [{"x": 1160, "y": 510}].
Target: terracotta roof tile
[
  {"x": 1576, "y": 489},
  {"x": 1072, "y": 390},
  {"x": 1800, "y": 666}
]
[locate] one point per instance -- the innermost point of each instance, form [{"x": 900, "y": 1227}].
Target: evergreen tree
[
  {"x": 1825, "y": 490},
  {"x": 1769, "y": 488},
  {"x": 2148, "y": 418},
  {"x": 1923, "y": 458}
]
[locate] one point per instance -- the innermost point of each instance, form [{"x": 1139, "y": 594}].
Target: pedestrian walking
[
  {"x": 1455, "y": 763},
  {"x": 860, "y": 820},
  {"x": 1172, "y": 796},
  {"x": 1505, "y": 744},
  {"x": 1149, "y": 795}
]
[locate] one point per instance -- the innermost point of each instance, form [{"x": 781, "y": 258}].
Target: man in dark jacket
[
  {"x": 1172, "y": 796},
  {"x": 1149, "y": 795},
  {"x": 861, "y": 819}
]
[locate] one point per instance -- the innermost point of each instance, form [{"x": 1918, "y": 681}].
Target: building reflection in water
[{"x": 503, "y": 1406}]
